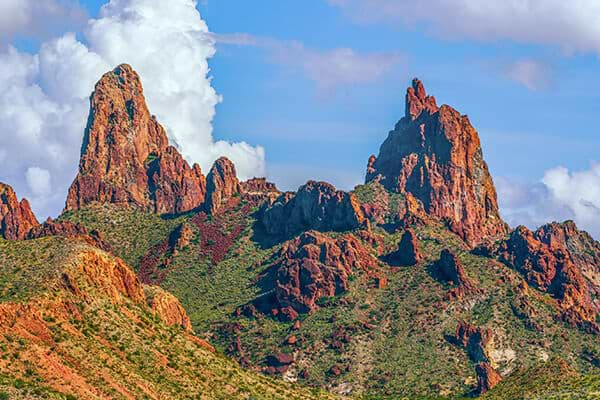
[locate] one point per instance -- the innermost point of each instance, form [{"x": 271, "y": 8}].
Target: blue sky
[{"x": 527, "y": 78}]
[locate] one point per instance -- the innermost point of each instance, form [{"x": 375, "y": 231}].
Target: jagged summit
[
  {"x": 417, "y": 101},
  {"x": 16, "y": 217},
  {"x": 434, "y": 154},
  {"x": 126, "y": 157}
]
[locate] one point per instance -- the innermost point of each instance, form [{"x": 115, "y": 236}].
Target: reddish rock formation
[
  {"x": 258, "y": 189},
  {"x": 279, "y": 363},
  {"x": 16, "y": 218},
  {"x": 68, "y": 229},
  {"x": 449, "y": 269},
  {"x": 408, "y": 250},
  {"x": 314, "y": 266},
  {"x": 126, "y": 158},
  {"x": 221, "y": 184},
  {"x": 434, "y": 153},
  {"x": 316, "y": 205},
  {"x": 475, "y": 340},
  {"x": 487, "y": 377},
  {"x": 547, "y": 262},
  {"x": 167, "y": 307}
]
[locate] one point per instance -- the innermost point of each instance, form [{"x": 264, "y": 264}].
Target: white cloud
[
  {"x": 44, "y": 97},
  {"x": 38, "y": 17},
  {"x": 38, "y": 180},
  {"x": 573, "y": 25},
  {"x": 560, "y": 195},
  {"x": 329, "y": 69},
  {"x": 532, "y": 74}
]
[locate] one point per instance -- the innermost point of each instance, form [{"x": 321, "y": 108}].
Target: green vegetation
[
  {"x": 397, "y": 336},
  {"x": 94, "y": 342},
  {"x": 130, "y": 232},
  {"x": 550, "y": 381}
]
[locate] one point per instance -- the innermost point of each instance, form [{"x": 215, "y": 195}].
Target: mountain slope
[
  {"x": 410, "y": 285},
  {"x": 76, "y": 319}
]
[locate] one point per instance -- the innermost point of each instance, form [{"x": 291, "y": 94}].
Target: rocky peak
[
  {"x": 417, "y": 100},
  {"x": 222, "y": 184},
  {"x": 316, "y": 205},
  {"x": 125, "y": 156},
  {"x": 434, "y": 153},
  {"x": 16, "y": 217}
]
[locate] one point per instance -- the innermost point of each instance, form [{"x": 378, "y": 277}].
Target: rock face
[
  {"x": 316, "y": 205},
  {"x": 222, "y": 184},
  {"x": 475, "y": 340},
  {"x": 68, "y": 229},
  {"x": 16, "y": 217},
  {"x": 408, "y": 250},
  {"x": 314, "y": 266},
  {"x": 547, "y": 259},
  {"x": 487, "y": 378},
  {"x": 434, "y": 153},
  {"x": 167, "y": 307},
  {"x": 449, "y": 269},
  {"x": 125, "y": 156}
]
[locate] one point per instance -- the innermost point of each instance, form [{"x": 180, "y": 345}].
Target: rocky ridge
[{"x": 316, "y": 205}]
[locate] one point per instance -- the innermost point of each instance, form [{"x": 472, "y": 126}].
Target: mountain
[
  {"x": 434, "y": 153},
  {"x": 125, "y": 156},
  {"x": 410, "y": 285}
]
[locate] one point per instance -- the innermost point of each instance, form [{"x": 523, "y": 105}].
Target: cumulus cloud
[
  {"x": 560, "y": 195},
  {"x": 44, "y": 96},
  {"x": 573, "y": 25},
  {"x": 329, "y": 69},
  {"x": 38, "y": 17}
]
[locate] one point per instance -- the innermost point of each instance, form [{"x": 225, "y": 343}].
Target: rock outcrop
[
  {"x": 221, "y": 184},
  {"x": 314, "y": 266},
  {"x": 258, "y": 189},
  {"x": 167, "y": 307},
  {"x": 278, "y": 363},
  {"x": 316, "y": 205},
  {"x": 477, "y": 341},
  {"x": 434, "y": 154},
  {"x": 68, "y": 229},
  {"x": 449, "y": 269},
  {"x": 16, "y": 217},
  {"x": 408, "y": 252},
  {"x": 487, "y": 378},
  {"x": 548, "y": 262},
  {"x": 125, "y": 156}
]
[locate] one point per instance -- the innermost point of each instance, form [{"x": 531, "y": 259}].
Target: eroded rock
[
  {"x": 16, "y": 217},
  {"x": 434, "y": 154}
]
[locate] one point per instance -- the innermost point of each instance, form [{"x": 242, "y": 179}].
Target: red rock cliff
[
  {"x": 16, "y": 217},
  {"x": 558, "y": 259},
  {"x": 434, "y": 153},
  {"x": 125, "y": 156}
]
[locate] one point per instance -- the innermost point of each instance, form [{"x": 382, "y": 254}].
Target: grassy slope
[
  {"x": 114, "y": 351},
  {"x": 402, "y": 350}
]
